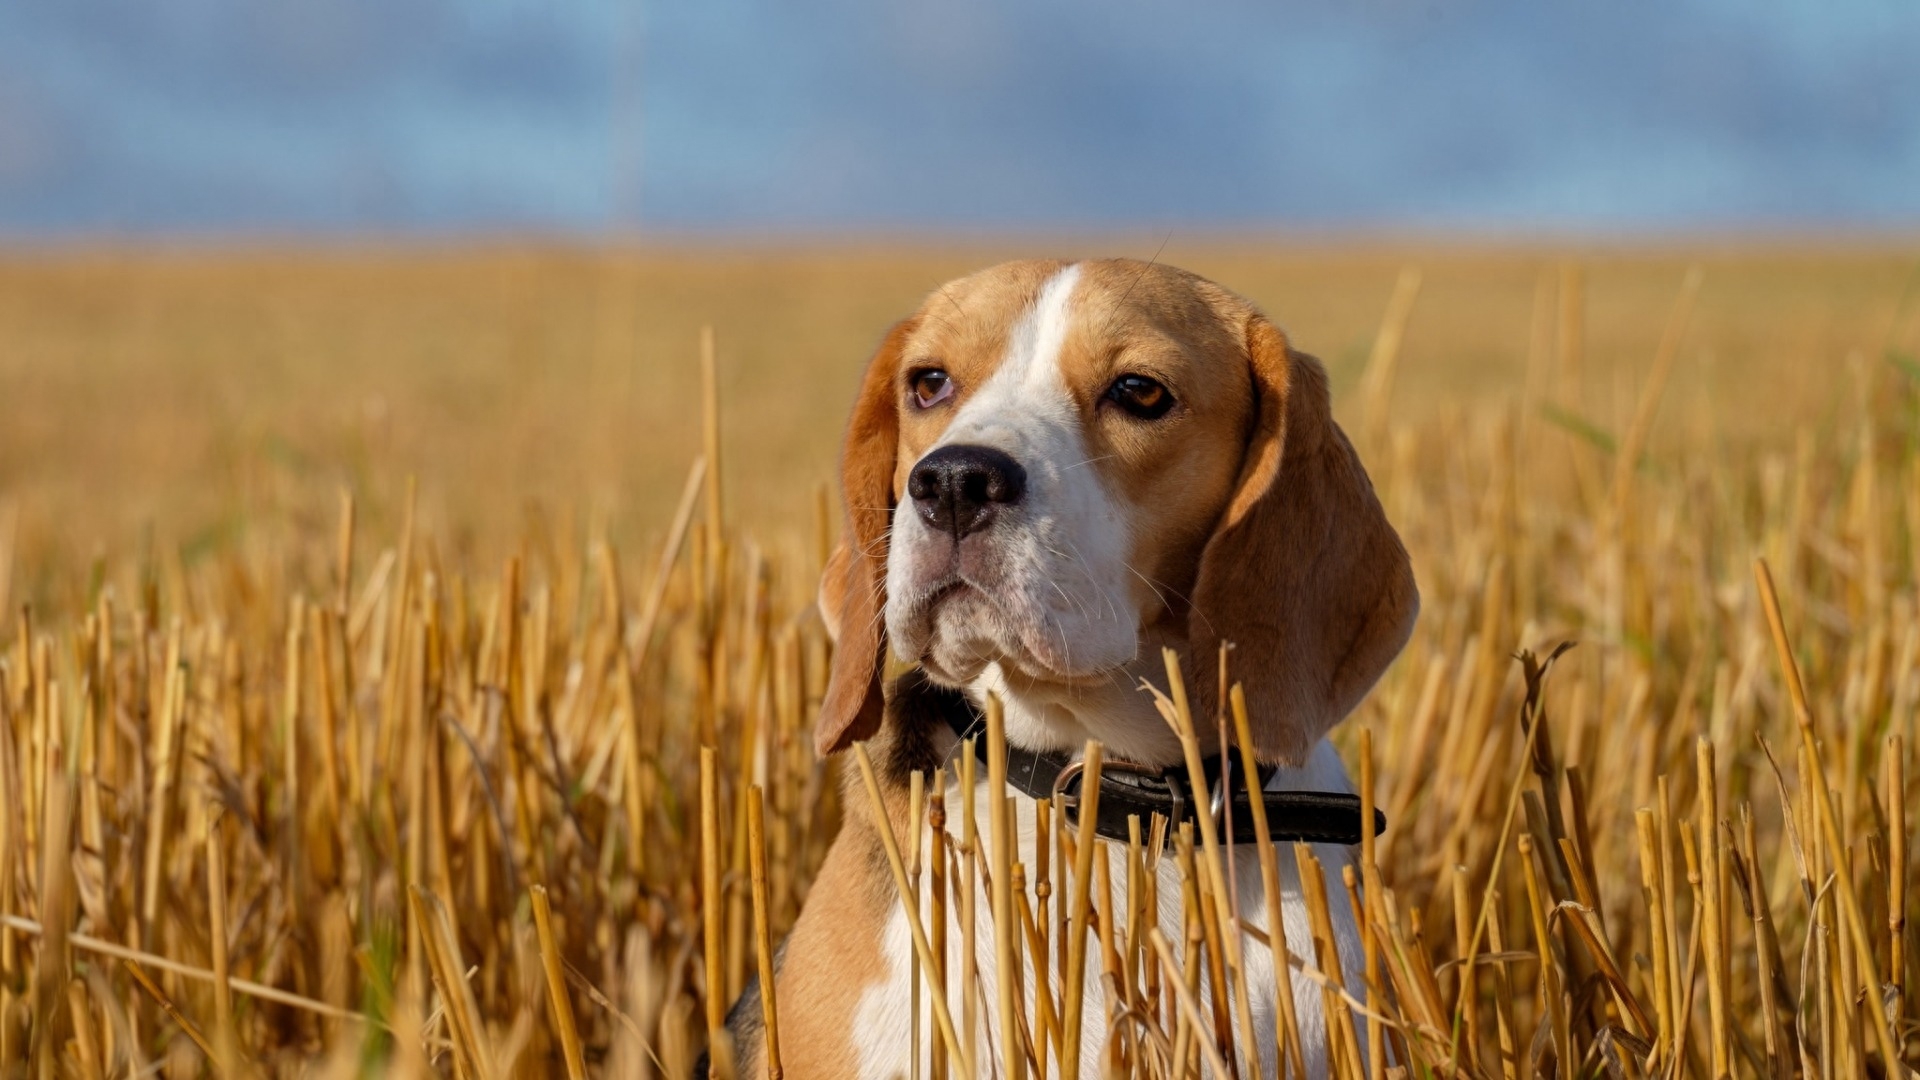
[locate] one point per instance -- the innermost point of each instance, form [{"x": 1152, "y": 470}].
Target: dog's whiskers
[{"x": 1088, "y": 461}]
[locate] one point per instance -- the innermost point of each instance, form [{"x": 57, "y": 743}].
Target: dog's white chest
[{"x": 888, "y": 1039}]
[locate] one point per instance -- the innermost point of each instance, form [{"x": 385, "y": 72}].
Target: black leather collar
[{"x": 1129, "y": 790}]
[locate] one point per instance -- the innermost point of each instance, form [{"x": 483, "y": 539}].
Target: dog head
[{"x": 1052, "y": 469}]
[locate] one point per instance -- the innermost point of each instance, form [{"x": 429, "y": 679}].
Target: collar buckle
[
  {"x": 1066, "y": 801},
  {"x": 1221, "y": 792}
]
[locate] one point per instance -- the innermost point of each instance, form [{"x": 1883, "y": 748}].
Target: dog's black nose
[{"x": 957, "y": 489}]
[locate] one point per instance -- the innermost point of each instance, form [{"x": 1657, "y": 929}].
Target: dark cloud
[{"x": 750, "y": 114}]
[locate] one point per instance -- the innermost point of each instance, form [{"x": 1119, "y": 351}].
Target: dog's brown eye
[
  {"x": 931, "y": 387},
  {"x": 1141, "y": 396}
]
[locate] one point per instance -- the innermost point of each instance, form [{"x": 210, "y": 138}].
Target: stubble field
[{"x": 365, "y": 613}]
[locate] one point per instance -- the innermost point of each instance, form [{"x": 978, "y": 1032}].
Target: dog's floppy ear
[
  {"x": 853, "y": 586},
  {"x": 1303, "y": 574}
]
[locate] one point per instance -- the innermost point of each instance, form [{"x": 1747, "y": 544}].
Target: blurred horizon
[{"x": 743, "y": 120}]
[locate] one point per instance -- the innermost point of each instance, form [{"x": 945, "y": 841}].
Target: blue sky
[{"x": 750, "y": 117}]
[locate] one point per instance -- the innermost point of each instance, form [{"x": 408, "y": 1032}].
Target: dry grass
[{"x": 413, "y": 783}]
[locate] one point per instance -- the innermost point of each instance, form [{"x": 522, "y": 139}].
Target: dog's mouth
[
  {"x": 939, "y": 594},
  {"x": 956, "y": 626},
  {"x": 925, "y": 611},
  {"x": 960, "y": 626},
  {"x": 957, "y": 606}
]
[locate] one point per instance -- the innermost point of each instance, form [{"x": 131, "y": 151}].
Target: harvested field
[{"x": 366, "y": 613}]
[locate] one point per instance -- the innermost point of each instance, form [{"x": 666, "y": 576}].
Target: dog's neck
[
  {"x": 1118, "y": 712},
  {"x": 1122, "y": 716}
]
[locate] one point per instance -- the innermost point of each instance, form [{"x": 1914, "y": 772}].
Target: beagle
[{"x": 1054, "y": 470}]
